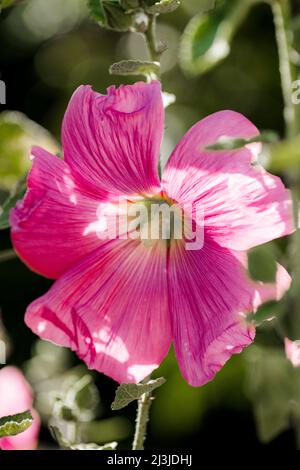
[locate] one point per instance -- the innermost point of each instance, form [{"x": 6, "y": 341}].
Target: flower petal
[
  {"x": 16, "y": 397},
  {"x": 52, "y": 227},
  {"x": 209, "y": 296},
  {"x": 243, "y": 205},
  {"x": 112, "y": 142},
  {"x": 15, "y": 392},
  {"x": 111, "y": 309}
]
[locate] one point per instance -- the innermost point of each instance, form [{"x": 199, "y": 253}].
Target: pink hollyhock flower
[
  {"x": 292, "y": 351},
  {"x": 119, "y": 303},
  {"x": 16, "y": 397}
]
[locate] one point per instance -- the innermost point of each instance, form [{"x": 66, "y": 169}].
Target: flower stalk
[
  {"x": 142, "y": 418},
  {"x": 151, "y": 40},
  {"x": 288, "y": 72}
]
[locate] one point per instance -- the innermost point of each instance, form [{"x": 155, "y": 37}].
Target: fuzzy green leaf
[
  {"x": 207, "y": 38},
  {"x": 15, "y": 424},
  {"x": 65, "y": 444},
  {"x": 92, "y": 446},
  {"x": 163, "y": 6},
  {"x": 230, "y": 143},
  {"x": 273, "y": 387},
  {"x": 110, "y": 14},
  {"x": 266, "y": 313},
  {"x": 135, "y": 67},
  {"x": 97, "y": 12},
  {"x": 126, "y": 393}
]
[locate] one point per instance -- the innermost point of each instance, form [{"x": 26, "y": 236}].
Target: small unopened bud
[{"x": 140, "y": 22}]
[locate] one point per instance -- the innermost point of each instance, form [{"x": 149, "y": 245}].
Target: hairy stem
[
  {"x": 281, "y": 13},
  {"x": 142, "y": 419},
  {"x": 151, "y": 40}
]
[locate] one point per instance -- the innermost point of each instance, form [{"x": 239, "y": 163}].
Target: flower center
[{"x": 155, "y": 218}]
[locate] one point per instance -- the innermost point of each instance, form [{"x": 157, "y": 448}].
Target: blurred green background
[{"x": 47, "y": 49}]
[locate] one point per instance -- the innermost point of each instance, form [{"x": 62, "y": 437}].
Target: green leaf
[
  {"x": 10, "y": 202},
  {"x": 261, "y": 264},
  {"x": 193, "y": 7},
  {"x": 266, "y": 313},
  {"x": 230, "y": 143},
  {"x": 126, "y": 393},
  {"x": 207, "y": 38},
  {"x": 273, "y": 387},
  {"x": 110, "y": 14},
  {"x": 135, "y": 67},
  {"x": 15, "y": 424},
  {"x": 163, "y": 6},
  {"x": 65, "y": 444},
  {"x": 92, "y": 446},
  {"x": 97, "y": 12}
]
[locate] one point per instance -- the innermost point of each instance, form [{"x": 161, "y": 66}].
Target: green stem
[
  {"x": 288, "y": 74},
  {"x": 155, "y": 55},
  {"x": 150, "y": 37},
  {"x": 142, "y": 419}
]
